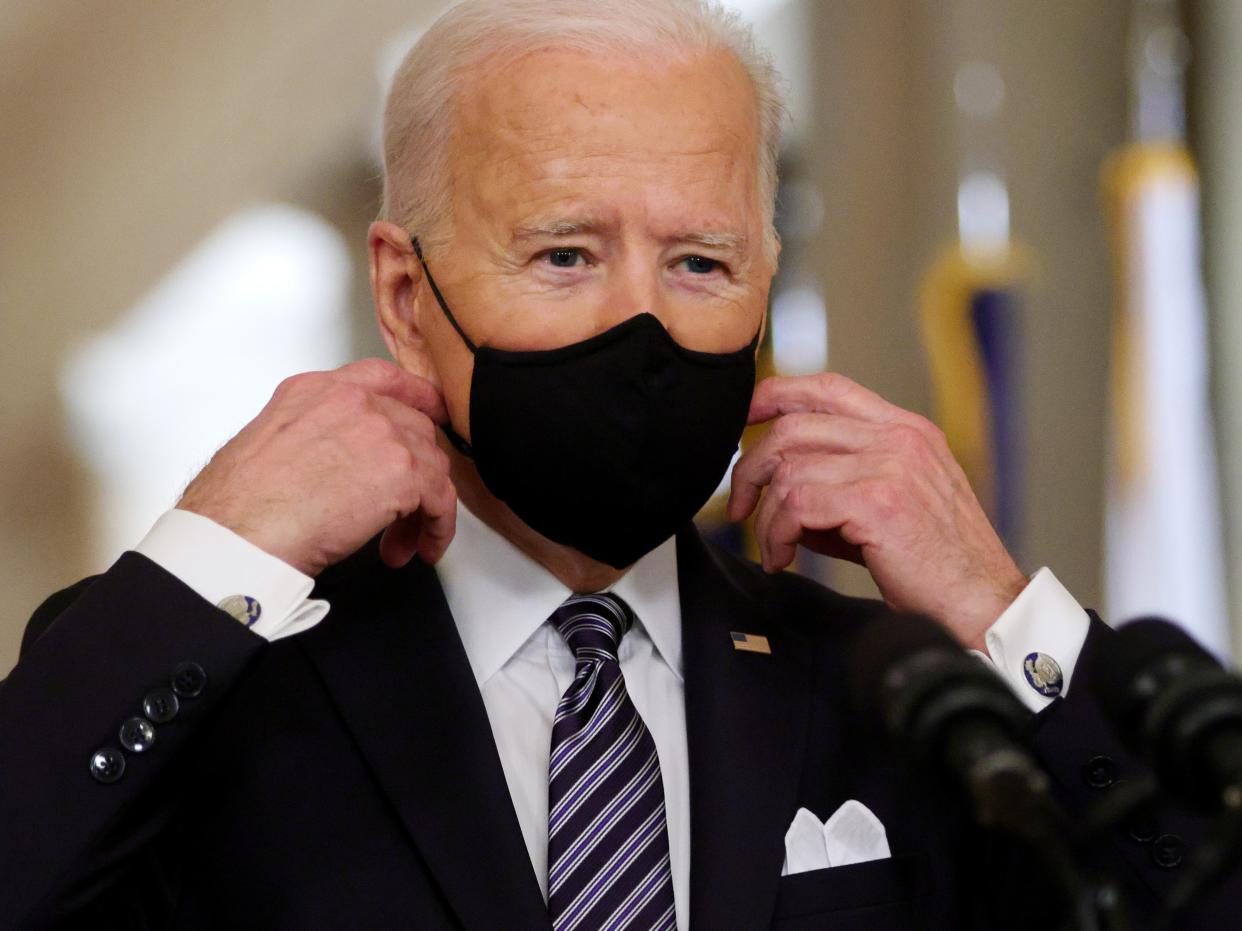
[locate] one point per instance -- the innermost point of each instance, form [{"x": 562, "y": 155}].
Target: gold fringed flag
[{"x": 971, "y": 331}]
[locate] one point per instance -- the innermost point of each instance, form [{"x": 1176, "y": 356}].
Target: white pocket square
[{"x": 852, "y": 835}]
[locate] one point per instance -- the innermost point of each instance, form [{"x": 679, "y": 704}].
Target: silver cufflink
[
  {"x": 242, "y": 607},
  {"x": 1043, "y": 674}
]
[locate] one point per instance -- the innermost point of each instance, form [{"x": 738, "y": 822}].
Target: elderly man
[{"x": 524, "y": 693}]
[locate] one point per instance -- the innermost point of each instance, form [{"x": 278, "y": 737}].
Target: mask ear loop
[
  {"x": 459, "y": 443},
  {"x": 418, "y": 251}
]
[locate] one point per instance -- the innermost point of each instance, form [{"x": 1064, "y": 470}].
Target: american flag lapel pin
[{"x": 751, "y": 643}]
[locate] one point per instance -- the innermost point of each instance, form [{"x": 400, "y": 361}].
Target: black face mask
[{"x": 608, "y": 445}]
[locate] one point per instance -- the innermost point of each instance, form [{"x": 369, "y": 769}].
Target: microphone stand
[
  {"x": 1010, "y": 794},
  {"x": 1205, "y": 866},
  {"x": 1209, "y": 862}
]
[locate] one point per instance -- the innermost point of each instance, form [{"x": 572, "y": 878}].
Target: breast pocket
[{"x": 876, "y": 895}]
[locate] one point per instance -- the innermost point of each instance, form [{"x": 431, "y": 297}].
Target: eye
[
  {"x": 563, "y": 258},
  {"x": 699, "y": 265}
]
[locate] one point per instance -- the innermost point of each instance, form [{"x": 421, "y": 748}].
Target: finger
[
  {"x": 428, "y": 528},
  {"x": 792, "y": 434},
  {"x": 439, "y": 523},
  {"x": 773, "y": 500},
  {"x": 399, "y": 542},
  {"x": 810, "y": 510},
  {"x": 795, "y": 475},
  {"x": 832, "y": 543},
  {"x": 826, "y": 393},
  {"x": 392, "y": 381},
  {"x": 433, "y": 497},
  {"x": 410, "y": 421}
]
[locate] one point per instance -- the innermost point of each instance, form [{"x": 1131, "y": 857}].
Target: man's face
[{"x": 589, "y": 190}]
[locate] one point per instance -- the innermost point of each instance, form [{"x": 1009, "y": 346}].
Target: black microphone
[
  {"x": 955, "y": 715},
  {"x": 1174, "y": 704},
  {"x": 949, "y": 710}
]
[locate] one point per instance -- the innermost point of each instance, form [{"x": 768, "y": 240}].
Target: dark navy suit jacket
[{"x": 348, "y": 778}]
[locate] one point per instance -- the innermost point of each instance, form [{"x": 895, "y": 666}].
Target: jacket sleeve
[
  {"x": 1087, "y": 761},
  {"x": 75, "y": 803}
]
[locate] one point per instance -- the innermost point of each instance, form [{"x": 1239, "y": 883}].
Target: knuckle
[
  {"x": 296, "y": 384},
  {"x": 394, "y": 458},
  {"x": 407, "y": 463},
  {"x": 376, "y": 369},
  {"x": 885, "y": 499},
  {"x": 833, "y": 383},
  {"x": 787, "y": 427},
  {"x": 439, "y": 460},
  {"x": 442, "y": 485},
  {"x": 797, "y": 500},
  {"x": 449, "y": 495},
  {"x": 907, "y": 438},
  {"x": 783, "y": 474},
  {"x": 377, "y": 428},
  {"x": 403, "y": 503},
  {"x": 426, "y": 427},
  {"x": 348, "y": 396},
  {"x": 922, "y": 424},
  {"x": 933, "y": 433},
  {"x": 892, "y": 467},
  {"x": 410, "y": 500}
]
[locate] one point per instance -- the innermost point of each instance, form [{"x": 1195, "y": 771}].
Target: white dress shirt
[
  {"x": 500, "y": 600},
  {"x": 523, "y": 667}
]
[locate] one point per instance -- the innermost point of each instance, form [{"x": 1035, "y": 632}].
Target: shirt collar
[{"x": 499, "y": 596}]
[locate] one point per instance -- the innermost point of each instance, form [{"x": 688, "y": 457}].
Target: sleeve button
[
  {"x": 107, "y": 765},
  {"x": 1141, "y": 829},
  {"x": 189, "y": 680},
  {"x": 1168, "y": 851},
  {"x": 161, "y": 705},
  {"x": 1100, "y": 772},
  {"x": 137, "y": 735}
]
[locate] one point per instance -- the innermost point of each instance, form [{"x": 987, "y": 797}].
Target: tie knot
[{"x": 593, "y": 625}]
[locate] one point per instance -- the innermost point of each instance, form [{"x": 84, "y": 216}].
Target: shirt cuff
[
  {"x": 265, "y": 593},
  {"x": 1034, "y": 644}
]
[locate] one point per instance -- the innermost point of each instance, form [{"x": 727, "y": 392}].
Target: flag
[
  {"x": 1162, "y": 535},
  {"x": 972, "y": 336},
  {"x": 749, "y": 643}
]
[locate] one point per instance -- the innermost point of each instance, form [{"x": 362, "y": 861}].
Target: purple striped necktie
[{"x": 608, "y": 860}]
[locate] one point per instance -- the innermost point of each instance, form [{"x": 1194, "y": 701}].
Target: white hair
[{"x": 419, "y": 112}]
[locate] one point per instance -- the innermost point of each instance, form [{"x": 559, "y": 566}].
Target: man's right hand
[{"x": 331, "y": 460}]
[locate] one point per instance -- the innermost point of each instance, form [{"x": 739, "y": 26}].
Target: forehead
[{"x": 558, "y": 124}]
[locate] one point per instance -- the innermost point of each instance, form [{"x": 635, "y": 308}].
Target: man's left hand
[{"x": 850, "y": 475}]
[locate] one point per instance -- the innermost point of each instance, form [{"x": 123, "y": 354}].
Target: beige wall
[
  {"x": 1217, "y": 128},
  {"x": 886, "y": 156},
  {"x": 131, "y": 128}
]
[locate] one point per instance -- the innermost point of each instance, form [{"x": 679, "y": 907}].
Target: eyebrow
[
  {"x": 561, "y": 228},
  {"x": 564, "y": 228},
  {"x": 729, "y": 241}
]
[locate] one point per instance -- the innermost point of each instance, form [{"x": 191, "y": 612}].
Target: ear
[{"x": 395, "y": 277}]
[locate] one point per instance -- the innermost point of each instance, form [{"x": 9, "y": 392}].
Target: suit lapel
[
  {"x": 391, "y": 657},
  {"x": 746, "y": 720}
]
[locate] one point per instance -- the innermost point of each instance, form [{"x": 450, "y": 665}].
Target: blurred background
[{"x": 1023, "y": 219}]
